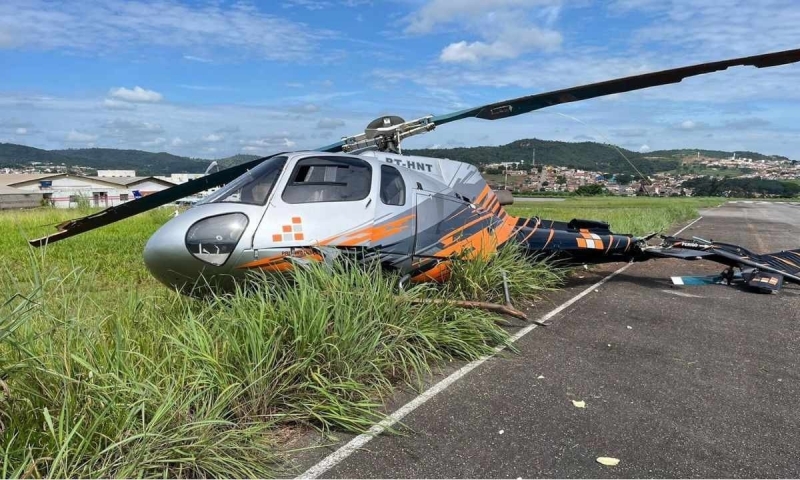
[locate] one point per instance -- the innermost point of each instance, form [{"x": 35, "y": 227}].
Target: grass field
[
  {"x": 634, "y": 215},
  {"x": 106, "y": 373}
]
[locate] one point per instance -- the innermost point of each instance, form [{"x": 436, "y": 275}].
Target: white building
[
  {"x": 13, "y": 198},
  {"x": 116, "y": 173},
  {"x": 178, "y": 178},
  {"x": 65, "y": 191}
]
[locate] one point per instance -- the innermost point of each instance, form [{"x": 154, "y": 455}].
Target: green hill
[
  {"x": 13, "y": 155},
  {"x": 686, "y": 152},
  {"x": 583, "y": 155},
  {"x": 235, "y": 160},
  {"x": 145, "y": 163}
]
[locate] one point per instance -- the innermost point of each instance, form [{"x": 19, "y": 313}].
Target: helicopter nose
[
  {"x": 191, "y": 252},
  {"x": 168, "y": 260}
]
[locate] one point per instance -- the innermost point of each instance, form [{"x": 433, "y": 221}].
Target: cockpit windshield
[{"x": 252, "y": 187}]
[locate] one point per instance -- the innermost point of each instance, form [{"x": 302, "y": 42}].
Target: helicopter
[{"x": 363, "y": 198}]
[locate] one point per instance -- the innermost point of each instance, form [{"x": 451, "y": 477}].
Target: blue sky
[{"x": 215, "y": 78}]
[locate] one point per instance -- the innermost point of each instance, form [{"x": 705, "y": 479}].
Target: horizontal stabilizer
[{"x": 787, "y": 261}]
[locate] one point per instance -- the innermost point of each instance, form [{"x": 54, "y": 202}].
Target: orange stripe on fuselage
[
  {"x": 482, "y": 195},
  {"x": 372, "y": 233},
  {"x": 450, "y": 237},
  {"x": 478, "y": 245}
]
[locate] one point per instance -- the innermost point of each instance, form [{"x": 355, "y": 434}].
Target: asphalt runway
[{"x": 677, "y": 381}]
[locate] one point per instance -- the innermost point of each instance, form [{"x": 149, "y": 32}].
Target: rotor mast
[{"x": 386, "y": 133}]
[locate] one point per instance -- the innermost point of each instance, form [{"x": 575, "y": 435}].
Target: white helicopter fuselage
[{"x": 295, "y": 207}]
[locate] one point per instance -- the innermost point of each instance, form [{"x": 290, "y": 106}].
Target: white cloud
[
  {"x": 177, "y": 142},
  {"x": 228, "y": 129},
  {"x": 464, "y": 52},
  {"x": 213, "y": 138},
  {"x": 80, "y": 137},
  {"x": 644, "y": 148},
  {"x": 136, "y": 95},
  {"x": 513, "y": 43},
  {"x": 307, "y": 4},
  {"x": 270, "y": 143},
  {"x": 438, "y": 12},
  {"x": 16, "y": 125},
  {"x": 693, "y": 125},
  {"x": 193, "y": 58},
  {"x": 330, "y": 123},
  {"x": 305, "y": 108},
  {"x": 134, "y": 128},
  {"x": 6, "y": 40},
  {"x": 715, "y": 29},
  {"x": 507, "y": 28},
  {"x": 112, "y": 104},
  {"x": 105, "y": 26},
  {"x": 156, "y": 142}
]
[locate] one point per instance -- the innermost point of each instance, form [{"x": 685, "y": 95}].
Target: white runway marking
[
  {"x": 681, "y": 294},
  {"x": 350, "y": 447}
]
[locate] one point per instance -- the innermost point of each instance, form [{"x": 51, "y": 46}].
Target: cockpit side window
[
  {"x": 252, "y": 187},
  {"x": 328, "y": 179},
  {"x": 393, "y": 188}
]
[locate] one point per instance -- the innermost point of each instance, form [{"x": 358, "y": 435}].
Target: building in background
[
  {"x": 69, "y": 191},
  {"x": 13, "y": 198},
  {"x": 178, "y": 178},
  {"x": 116, "y": 173}
]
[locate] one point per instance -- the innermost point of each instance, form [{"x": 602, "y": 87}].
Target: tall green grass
[{"x": 105, "y": 373}]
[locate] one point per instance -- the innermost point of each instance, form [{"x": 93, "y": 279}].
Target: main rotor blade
[
  {"x": 518, "y": 106},
  {"x": 332, "y": 148},
  {"x": 120, "y": 212}
]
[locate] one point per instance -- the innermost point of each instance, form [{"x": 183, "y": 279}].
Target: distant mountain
[
  {"x": 12, "y": 155},
  {"x": 145, "y": 163},
  {"x": 235, "y": 160},
  {"x": 584, "y": 155},
  {"x": 687, "y": 152}
]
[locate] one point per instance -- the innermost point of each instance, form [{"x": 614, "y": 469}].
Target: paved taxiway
[{"x": 678, "y": 381}]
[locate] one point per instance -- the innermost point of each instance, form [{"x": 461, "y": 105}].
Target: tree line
[{"x": 741, "y": 187}]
